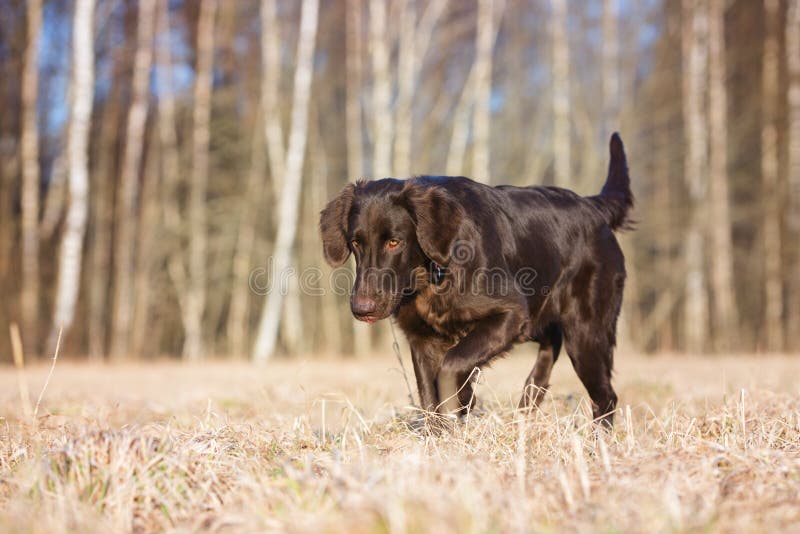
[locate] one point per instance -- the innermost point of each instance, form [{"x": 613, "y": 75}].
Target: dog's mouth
[{"x": 369, "y": 319}]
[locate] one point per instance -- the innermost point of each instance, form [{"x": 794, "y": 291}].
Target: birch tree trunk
[
  {"x": 483, "y": 91},
  {"x": 128, "y": 189},
  {"x": 773, "y": 272},
  {"x": 381, "y": 90},
  {"x": 270, "y": 85},
  {"x": 468, "y": 100},
  {"x": 29, "y": 145},
  {"x": 267, "y": 332},
  {"x": 291, "y": 325},
  {"x": 561, "y": 94},
  {"x": 414, "y": 43},
  {"x": 70, "y": 256},
  {"x": 198, "y": 187},
  {"x": 726, "y": 318},
  {"x": 362, "y": 341},
  {"x": 460, "y": 129},
  {"x": 381, "y": 39},
  {"x": 793, "y": 142},
  {"x": 354, "y": 81},
  {"x": 406, "y": 79},
  {"x": 695, "y": 24}
]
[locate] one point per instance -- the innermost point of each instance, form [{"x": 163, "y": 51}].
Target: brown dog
[{"x": 470, "y": 270}]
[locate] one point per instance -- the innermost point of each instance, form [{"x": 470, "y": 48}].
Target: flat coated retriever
[{"x": 470, "y": 270}]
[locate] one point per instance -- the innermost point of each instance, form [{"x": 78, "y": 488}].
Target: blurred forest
[{"x": 156, "y": 154}]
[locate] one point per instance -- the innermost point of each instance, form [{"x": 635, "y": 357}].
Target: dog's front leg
[
  {"x": 490, "y": 337},
  {"x": 426, "y": 367}
]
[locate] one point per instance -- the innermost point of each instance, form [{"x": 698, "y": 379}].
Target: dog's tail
[{"x": 616, "y": 199}]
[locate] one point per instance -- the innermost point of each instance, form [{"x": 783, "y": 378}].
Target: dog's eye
[
  {"x": 392, "y": 243},
  {"x": 355, "y": 243}
]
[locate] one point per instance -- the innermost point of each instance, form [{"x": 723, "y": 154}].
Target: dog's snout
[{"x": 363, "y": 306}]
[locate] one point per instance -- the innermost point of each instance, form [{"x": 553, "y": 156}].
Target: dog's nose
[{"x": 363, "y": 305}]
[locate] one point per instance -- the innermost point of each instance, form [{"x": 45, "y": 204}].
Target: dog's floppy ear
[
  {"x": 438, "y": 217},
  {"x": 333, "y": 227}
]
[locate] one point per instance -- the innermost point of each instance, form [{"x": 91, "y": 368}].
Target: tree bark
[
  {"x": 460, "y": 129},
  {"x": 483, "y": 91},
  {"x": 55, "y": 200},
  {"x": 773, "y": 271},
  {"x": 459, "y": 137},
  {"x": 102, "y": 224},
  {"x": 793, "y": 142},
  {"x": 276, "y": 147},
  {"x": 695, "y": 24},
  {"x": 380, "y": 40},
  {"x": 362, "y": 341},
  {"x": 406, "y": 65},
  {"x": 198, "y": 187},
  {"x": 354, "y": 81},
  {"x": 128, "y": 190},
  {"x": 167, "y": 131},
  {"x": 381, "y": 90},
  {"x": 414, "y": 43},
  {"x": 29, "y": 145},
  {"x": 561, "y": 94},
  {"x": 147, "y": 258},
  {"x": 725, "y": 315},
  {"x": 69, "y": 270},
  {"x": 171, "y": 174},
  {"x": 270, "y": 85},
  {"x": 264, "y": 346}
]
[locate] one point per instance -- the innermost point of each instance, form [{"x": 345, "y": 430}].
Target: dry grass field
[{"x": 709, "y": 444}]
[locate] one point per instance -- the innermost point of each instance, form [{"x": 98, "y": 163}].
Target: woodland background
[{"x": 155, "y": 154}]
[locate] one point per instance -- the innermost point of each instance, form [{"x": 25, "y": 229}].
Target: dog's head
[{"x": 396, "y": 230}]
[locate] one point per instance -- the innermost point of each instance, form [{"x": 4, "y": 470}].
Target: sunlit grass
[{"x": 327, "y": 446}]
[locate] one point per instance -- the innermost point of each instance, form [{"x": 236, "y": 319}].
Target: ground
[{"x": 325, "y": 445}]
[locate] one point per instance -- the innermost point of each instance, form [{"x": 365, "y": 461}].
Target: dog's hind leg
[
  {"x": 539, "y": 379},
  {"x": 591, "y": 357}
]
